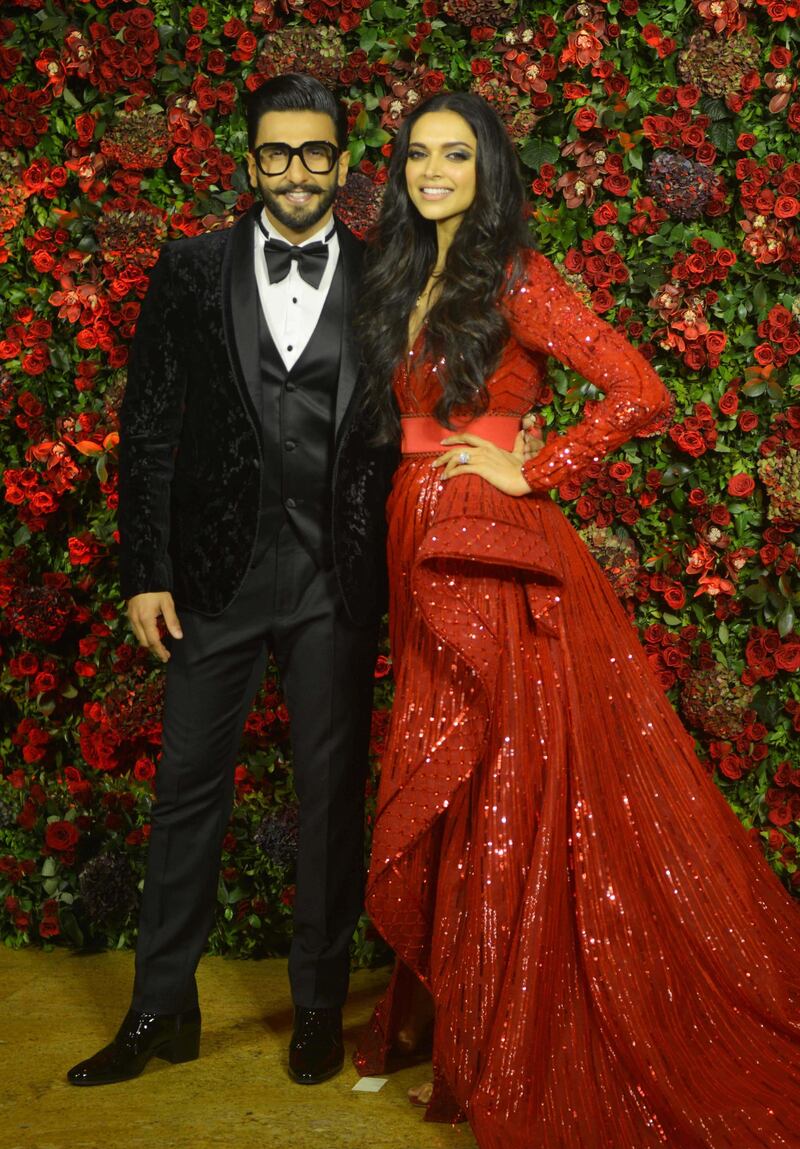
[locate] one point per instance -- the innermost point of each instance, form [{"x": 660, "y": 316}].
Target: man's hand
[{"x": 144, "y": 611}]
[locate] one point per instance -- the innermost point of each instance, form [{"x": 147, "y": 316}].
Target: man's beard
[{"x": 302, "y": 216}]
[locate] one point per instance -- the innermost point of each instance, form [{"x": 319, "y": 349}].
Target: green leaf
[
  {"x": 357, "y": 149},
  {"x": 755, "y": 387},
  {"x": 49, "y": 868},
  {"x": 537, "y": 152},
  {"x": 715, "y": 109},
  {"x": 786, "y": 620},
  {"x": 377, "y": 138},
  {"x": 71, "y": 100},
  {"x": 723, "y": 135}
]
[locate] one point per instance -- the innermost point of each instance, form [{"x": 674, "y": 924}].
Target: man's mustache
[{"x": 285, "y": 188}]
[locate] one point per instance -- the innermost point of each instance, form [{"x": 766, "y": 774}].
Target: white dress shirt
[{"x": 292, "y": 307}]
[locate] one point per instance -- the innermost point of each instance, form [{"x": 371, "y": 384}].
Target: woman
[{"x": 611, "y": 963}]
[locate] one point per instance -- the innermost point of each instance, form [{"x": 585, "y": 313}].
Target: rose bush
[{"x": 659, "y": 145}]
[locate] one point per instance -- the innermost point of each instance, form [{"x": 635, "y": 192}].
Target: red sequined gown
[{"x": 613, "y": 964}]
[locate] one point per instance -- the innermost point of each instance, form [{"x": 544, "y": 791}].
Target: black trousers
[{"x": 291, "y": 606}]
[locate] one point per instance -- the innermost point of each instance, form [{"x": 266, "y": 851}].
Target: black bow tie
[{"x": 311, "y": 261}]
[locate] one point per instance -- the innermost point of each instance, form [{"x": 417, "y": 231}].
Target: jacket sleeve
[
  {"x": 545, "y": 315},
  {"x": 150, "y": 426}
]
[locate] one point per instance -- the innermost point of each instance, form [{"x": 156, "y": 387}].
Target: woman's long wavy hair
[{"x": 464, "y": 327}]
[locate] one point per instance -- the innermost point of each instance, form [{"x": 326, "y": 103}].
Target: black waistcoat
[{"x": 297, "y": 409}]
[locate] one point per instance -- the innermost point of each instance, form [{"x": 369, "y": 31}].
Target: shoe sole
[{"x": 318, "y": 1079}]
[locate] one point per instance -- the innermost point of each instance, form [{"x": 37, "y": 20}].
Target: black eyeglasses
[{"x": 317, "y": 156}]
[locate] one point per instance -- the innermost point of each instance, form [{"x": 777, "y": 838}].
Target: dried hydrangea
[
  {"x": 715, "y": 65},
  {"x": 276, "y": 837},
  {"x": 715, "y": 701},
  {"x": 131, "y": 235},
  {"x": 780, "y": 474},
  {"x": 617, "y": 555},
  {"x": 679, "y": 185},
  {"x": 480, "y": 13},
  {"x": 40, "y": 613},
  {"x": 318, "y": 50},
  {"x": 108, "y": 889},
  {"x": 358, "y": 203},
  {"x": 137, "y": 139}
]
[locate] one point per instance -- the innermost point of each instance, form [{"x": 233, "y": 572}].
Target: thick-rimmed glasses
[{"x": 317, "y": 156}]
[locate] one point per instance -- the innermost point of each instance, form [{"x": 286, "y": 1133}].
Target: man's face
[{"x": 297, "y": 201}]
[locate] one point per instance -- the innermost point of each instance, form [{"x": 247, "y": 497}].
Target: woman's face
[{"x": 441, "y": 168}]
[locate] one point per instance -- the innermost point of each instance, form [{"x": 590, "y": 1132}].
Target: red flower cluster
[
  {"x": 689, "y": 331},
  {"x": 770, "y": 196},
  {"x": 767, "y": 654},
  {"x": 685, "y": 133},
  {"x": 697, "y": 433},
  {"x": 600, "y": 266},
  {"x": 22, "y": 118},
  {"x": 670, "y": 654},
  {"x": 703, "y": 265},
  {"x": 782, "y": 331}
]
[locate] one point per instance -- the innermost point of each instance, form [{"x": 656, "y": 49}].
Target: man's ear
[
  {"x": 252, "y": 170},
  {"x": 344, "y": 167}
]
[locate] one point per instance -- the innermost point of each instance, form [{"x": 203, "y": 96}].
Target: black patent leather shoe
[
  {"x": 316, "y": 1051},
  {"x": 173, "y": 1036}
]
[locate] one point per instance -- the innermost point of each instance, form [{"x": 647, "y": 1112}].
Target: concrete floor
[{"x": 57, "y": 1008}]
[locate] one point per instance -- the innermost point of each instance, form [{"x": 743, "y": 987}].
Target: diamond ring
[{"x": 463, "y": 458}]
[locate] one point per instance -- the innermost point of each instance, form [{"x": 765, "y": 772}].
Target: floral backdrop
[{"x": 659, "y": 143}]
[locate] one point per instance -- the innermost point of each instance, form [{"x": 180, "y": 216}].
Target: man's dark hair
[{"x": 294, "y": 92}]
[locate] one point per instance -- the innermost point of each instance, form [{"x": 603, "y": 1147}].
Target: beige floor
[{"x": 59, "y": 1007}]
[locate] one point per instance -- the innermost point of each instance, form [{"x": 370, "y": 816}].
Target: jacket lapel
[
  {"x": 351, "y": 252},
  {"x": 240, "y": 308}
]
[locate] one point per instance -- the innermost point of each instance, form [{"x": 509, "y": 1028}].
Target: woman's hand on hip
[{"x": 470, "y": 455}]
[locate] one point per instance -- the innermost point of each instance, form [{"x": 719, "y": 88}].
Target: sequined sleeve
[{"x": 545, "y": 315}]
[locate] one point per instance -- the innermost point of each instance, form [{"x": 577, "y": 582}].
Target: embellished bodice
[{"x": 547, "y": 318}]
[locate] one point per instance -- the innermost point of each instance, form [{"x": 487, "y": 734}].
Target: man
[{"x": 251, "y": 519}]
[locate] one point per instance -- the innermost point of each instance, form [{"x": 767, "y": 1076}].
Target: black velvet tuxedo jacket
[{"x": 191, "y": 443}]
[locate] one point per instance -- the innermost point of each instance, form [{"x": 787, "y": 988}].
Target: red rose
[
  {"x": 144, "y": 769},
  {"x": 745, "y": 141},
  {"x": 788, "y": 656},
  {"x": 731, "y": 766},
  {"x": 675, "y": 597},
  {"x": 687, "y": 96},
  {"x": 716, "y": 341},
  {"x": 786, "y": 206},
  {"x": 747, "y": 421},
  {"x": 763, "y": 354},
  {"x": 216, "y": 61},
  {"x": 780, "y": 58},
  {"x": 602, "y": 300},
  {"x": 697, "y": 497},
  {"x": 61, "y": 835},
  {"x": 585, "y": 119},
  {"x": 729, "y": 403},
  {"x": 245, "y": 46},
  {"x": 620, "y": 471},
  {"x": 617, "y": 184},
  {"x": 198, "y": 18},
  {"x": 741, "y": 485},
  {"x": 692, "y": 443}
]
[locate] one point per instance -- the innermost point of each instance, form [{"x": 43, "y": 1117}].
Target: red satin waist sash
[{"x": 422, "y": 434}]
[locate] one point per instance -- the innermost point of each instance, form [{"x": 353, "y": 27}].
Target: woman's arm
[{"x": 546, "y": 315}]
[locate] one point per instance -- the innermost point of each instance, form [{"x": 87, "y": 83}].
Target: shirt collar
[{"x": 324, "y": 234}]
